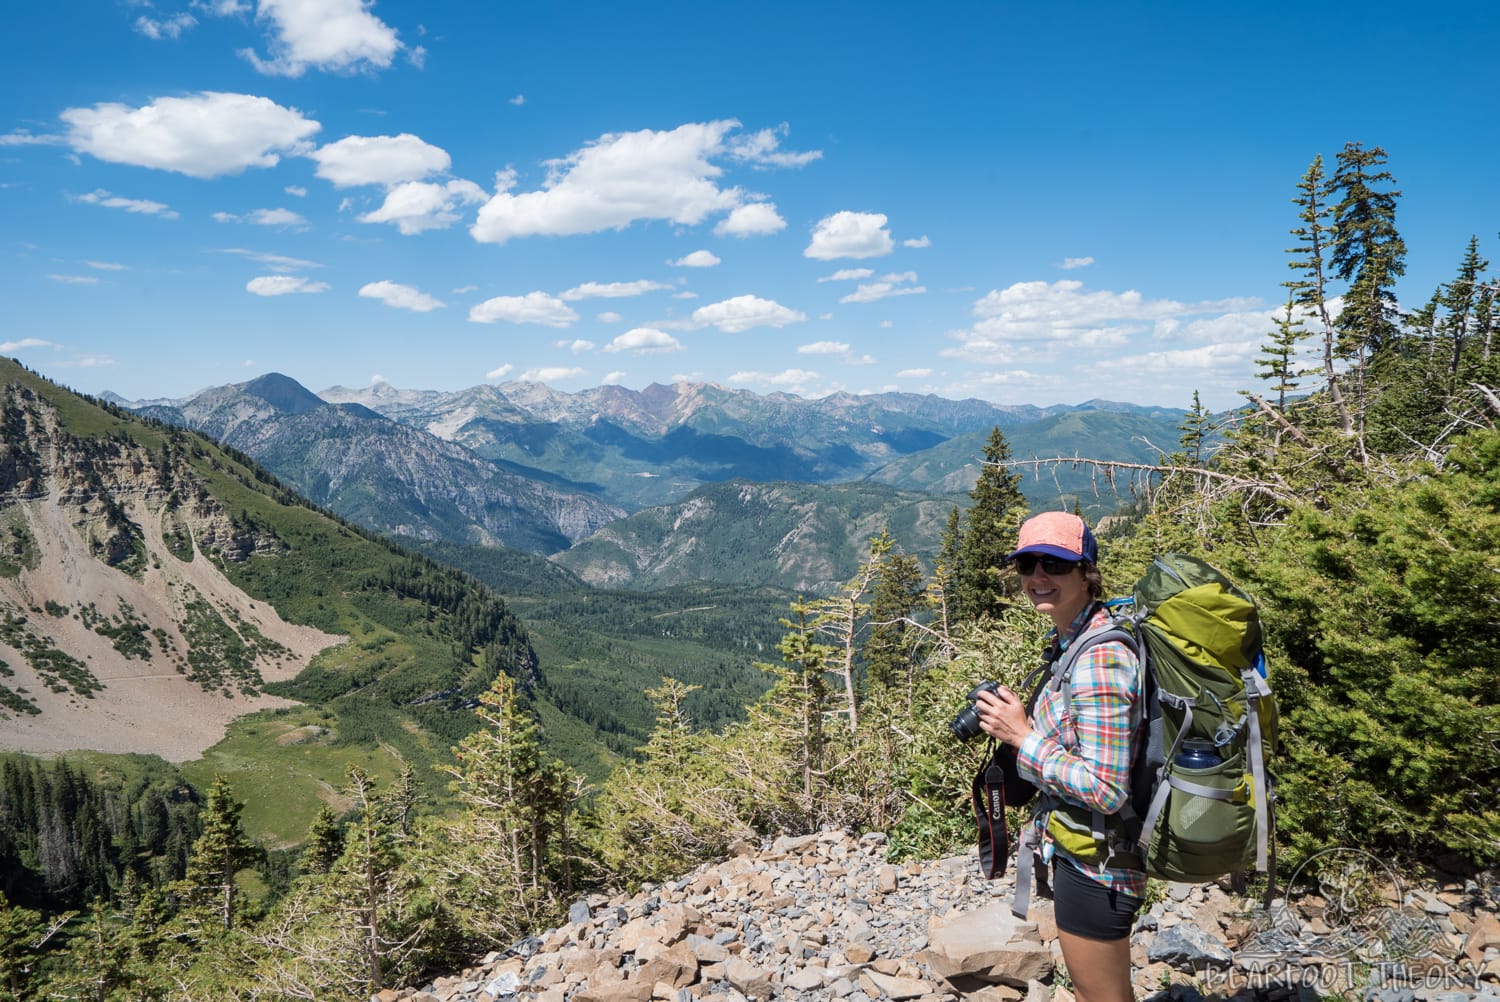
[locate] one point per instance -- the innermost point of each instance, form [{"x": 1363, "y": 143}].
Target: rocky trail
[{"x": 826, "y": 916}]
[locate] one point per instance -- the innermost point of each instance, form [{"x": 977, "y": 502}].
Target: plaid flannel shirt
[{"x": 1084, "y": 756}]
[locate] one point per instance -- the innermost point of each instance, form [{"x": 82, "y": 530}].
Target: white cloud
[
  {"x": 684, "y": 294},
  {"x": 105, "y": 265},
  {"x": 890, "y": 285},
  {"x": 276, "y": 262},
  {"x": 616, "y": 180},
  {"x": 824, "y": 348},
  {"x": 74, "y": 279},
  {"x": 222, "y": 8},
  {"x": 23, "y": 138},
  {"x": 85, "y": 362},
  {"x": 418, "y": 206},
  {"x": 760, "y": 148},
  {"x": 914, "y": 374},
  {"x": 532, "y": 308},
  {"x": 578, "y": 346},
  {"x": 550, "y": 374},
  {"x": 753, "y": 220},
  {"x": 848, "y": 275},
  {"x": 850, "y": 234},
  {"x": 462, "y": 289},
  {"x": 1069, "y": 263},
  {"x": 697, "y": 259},
  {"x": 282, "y": 285},
  {"x": 499, "y": 372},
  {"x": 609, "y": 317},
  {"x": 140, "y": 206},
  {"x": 1031, "y": 326},
  {"x": 645, "y": 341},
  {"x": 383, "y": 160},
  {"x": 518, "y": 100},
  {"x": 295, "y": 190},
  {"x": 741, "y": 313},
  {"x": 336, "y": 35},
  {"x": 206, "y": 135},
  {"x": 836, "y": 349},
  {"x": 26, "y": 342},
  {"x": 613, "y": 378},
  {"x": 402, "y": 297},
  {"x": 171, "y": 27},
  {"x": 917, "y": 243},
  {"x": 795, "y": 379},
  {"x": 611, "y": 290},
  {"x": 263, "y": 217}
]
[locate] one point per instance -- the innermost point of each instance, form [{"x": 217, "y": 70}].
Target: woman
[{"x": 1080, "y": 754}]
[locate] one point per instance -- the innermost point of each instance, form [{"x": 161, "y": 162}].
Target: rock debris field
[{"x": 826, "y": 916}]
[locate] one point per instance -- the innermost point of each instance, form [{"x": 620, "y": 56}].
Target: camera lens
[{"x": 965, "y": 726}]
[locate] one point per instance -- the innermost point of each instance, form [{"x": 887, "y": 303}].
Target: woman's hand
[{"x": 1002, "y": 715}]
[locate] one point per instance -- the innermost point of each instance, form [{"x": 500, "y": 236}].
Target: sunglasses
[{"x": 1027, "y": 563}]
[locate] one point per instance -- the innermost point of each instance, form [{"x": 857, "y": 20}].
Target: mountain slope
[
  {"x": 801, "y": 537},
  {"x": 155, "y": 586},
  {"x": 385, "y": 475},
  {"x": 656, "y": 445}
]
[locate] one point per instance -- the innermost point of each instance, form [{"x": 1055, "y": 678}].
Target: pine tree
[
  {"x": 1278, "y": 358},
  {"x": 20, "y": 930},
  {"x": 841, "y": 617},
  {"x": 942, "y": 587},
  {"x": 1367, "y": 251},
  {"x": 221, "y": 851},
  {"x": 507, "y": 857},
  {"x": 1310, "y": 288},
  {"x": 324, "y": 844},
  {"x": 993, "y": 521},
  {"x": 1467, "y": 307},
  {"x": 889, "y": 656},
  {"x": 1195, "y": 427}
]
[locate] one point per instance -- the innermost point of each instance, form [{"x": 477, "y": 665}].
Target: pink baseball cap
[{"x": 1057, "y": 534}]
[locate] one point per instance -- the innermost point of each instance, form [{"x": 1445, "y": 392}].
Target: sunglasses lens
[{"x": 1027, "y": 563}]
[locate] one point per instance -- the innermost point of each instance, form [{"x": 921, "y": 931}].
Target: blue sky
[{"x": 1040, "y": 203}]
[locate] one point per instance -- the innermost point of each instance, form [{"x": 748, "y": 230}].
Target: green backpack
[{"x": 1203, "y": 691}]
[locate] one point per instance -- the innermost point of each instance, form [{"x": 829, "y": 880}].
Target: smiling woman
[{"x": 1076, "y": 744}]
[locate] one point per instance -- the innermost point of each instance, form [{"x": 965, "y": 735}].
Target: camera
[{"x": 965, "y": 726}]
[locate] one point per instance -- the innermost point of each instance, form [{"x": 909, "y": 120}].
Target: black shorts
[{"x": 1085, "y": 907}]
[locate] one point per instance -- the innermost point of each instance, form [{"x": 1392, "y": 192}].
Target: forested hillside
[{"x": 1357, "y": 497}]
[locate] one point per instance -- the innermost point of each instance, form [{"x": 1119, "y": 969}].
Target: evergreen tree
[
  {"x": 1196, "y": 426},
  {"x": 1278, "y": 358},
  {"x": 1367, "y": 251},
  {"x": 20, "y": 931},
  {"x": 324, "y": 843},
  {"x": 994, "y": 519},
  {"x": 841, "y": 617},
  {"x": 942, "y": 588},
  {"x": 889, "y": 656},
  {"x": 1310, "y": 288},
  {"x": 506, "y": 859},
  {"x": 1467, "y": 307},
  {"x": 221, "y": 851}
]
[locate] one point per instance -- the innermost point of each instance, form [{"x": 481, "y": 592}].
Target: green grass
[{"x": 284, "y": 765}]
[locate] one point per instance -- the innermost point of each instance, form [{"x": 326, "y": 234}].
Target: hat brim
[{"x": 1049, "y": 550}]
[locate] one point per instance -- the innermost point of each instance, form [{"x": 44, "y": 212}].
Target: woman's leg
[
  {"x": 1093, "y": 928},
  {"x": 1099, "y": 969}
]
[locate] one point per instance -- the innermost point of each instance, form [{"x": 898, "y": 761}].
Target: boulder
[{"x": 989, "y": 943}]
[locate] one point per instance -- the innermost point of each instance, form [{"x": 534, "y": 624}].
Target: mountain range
[{"x": 652, "y": 487}]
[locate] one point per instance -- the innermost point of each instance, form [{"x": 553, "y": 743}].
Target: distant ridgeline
[{"x": 539, "y": 470}]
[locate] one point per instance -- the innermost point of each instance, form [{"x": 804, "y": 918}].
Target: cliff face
[{"x": 118, "y": 630}]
